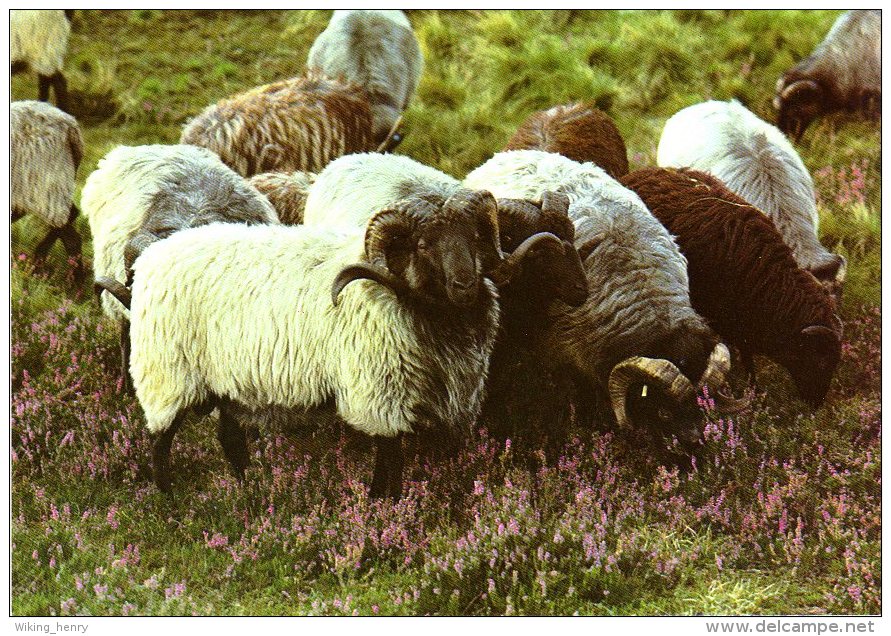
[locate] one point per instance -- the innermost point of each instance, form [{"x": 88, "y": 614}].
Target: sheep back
[
  {"x": 39, "y": 38},
  {"x": 295, "y": 124},
  {"x": 351, "y": 189},
  {"x": 286, "y": 191},
  {"x": 757, "y": 162},
  {"x": 46, "y": 149},
  {"x": 580, "y": 132},
  {"x": 389, "y": 367}
]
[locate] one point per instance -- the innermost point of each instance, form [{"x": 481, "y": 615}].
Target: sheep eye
[
  {"x": 664, "y": 415},
  {"x": 422, "y": 245}
]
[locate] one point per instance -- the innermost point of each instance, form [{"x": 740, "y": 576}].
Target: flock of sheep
[{"x": 278, "y": 259}]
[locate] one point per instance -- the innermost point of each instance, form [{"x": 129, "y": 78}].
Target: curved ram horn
[
  {"x": 797, "y": 87},
  {"x": 656, "y": 371},
  {"x": 588, "y": 247},
  {"x": 555, "y": 203},
  {"x": 114, "y": 288},
  {"x": 715, "y": 378},
  {"x": 359, "y": 271},
  {"x": 387, "y": 227},
  {"x": 509, "y": 266}
]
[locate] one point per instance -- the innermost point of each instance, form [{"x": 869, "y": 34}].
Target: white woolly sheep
[
  {"x": 286, "y": 191},
  {"x": 351, "y": 189},
  {"x": 38, "y": 40},
  {"x": 843, "y": 73},
  {"x": 636, "y": 338},
  {"x": 300, "y": 123},
  {"x": 377, "y": 50},
  {"x": 403, "y": 355},
  {"x": 756, "y": 161},
  {"x": 139, "y": 194},
  {"x": 46, "y": 149}
]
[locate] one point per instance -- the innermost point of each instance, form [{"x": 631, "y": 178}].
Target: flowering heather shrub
[{"x": 779, "y": 512}]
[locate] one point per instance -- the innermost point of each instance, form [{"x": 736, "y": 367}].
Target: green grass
[{"x": 92, "y": 536}]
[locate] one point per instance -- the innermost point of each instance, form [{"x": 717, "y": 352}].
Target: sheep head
[
  {"x": 656, "y": 395},
  {"x": 798, "y": 102},
  {"x": 430, "y": 249},
  {"x": 554, "y": 269},
  {"x": 811, "y": 358}
]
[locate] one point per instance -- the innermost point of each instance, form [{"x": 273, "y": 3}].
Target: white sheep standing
[
  {"x": 377, "y": 50},
  {"x": 46, "y": 149},
  {"x": 756, "y": 161},
  {"x": 399, "y": 354},
  {"x": 38, "y": 40}
]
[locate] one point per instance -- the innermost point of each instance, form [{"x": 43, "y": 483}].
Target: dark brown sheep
[
  {"x": 580, "y": 132},
  {"x": 743, "y": 278}
]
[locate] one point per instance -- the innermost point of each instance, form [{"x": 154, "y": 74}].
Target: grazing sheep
[
  {"x": 407, "y": 354},
  {"x": 636, "y": 338},
  {"x": 743, "y": 277},
  {"x": 757, "y": 162},
  {"x": 38, "y": 40},
  {"x": 286, "y": 191},
  {"x": 378, "y": 51},
  {"x": 295, "y": 124},
  {"x": 46, "y": 149},
  {"x": 580, "y": 132},
  {"x": 351, "y": 189},
  {"x": 843, "y": 73},
  {"x": 140, "y": 194}
]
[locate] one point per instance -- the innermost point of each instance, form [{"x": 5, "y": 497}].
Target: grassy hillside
[{"x": 782, "y": 516}]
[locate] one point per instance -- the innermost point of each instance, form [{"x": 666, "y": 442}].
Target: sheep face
[
  {"x": 549, "y": 271},
  {"x": 433, "y": 250},
  {"x": 660, "y": 415},
  {"x": 811, "y": 359},
  {"x": 798, "y": 103}
]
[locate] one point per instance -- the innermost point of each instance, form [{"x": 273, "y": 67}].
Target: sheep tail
[{"x": 114, "y": 288}]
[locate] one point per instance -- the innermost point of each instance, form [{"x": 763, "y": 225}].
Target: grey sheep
[
  {"x": 377, "y": 50},
  {"x": 844, "y": 73},
  {"x": 46, "y": 149}
]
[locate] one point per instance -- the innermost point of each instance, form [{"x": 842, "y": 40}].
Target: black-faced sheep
[
  {"x": 844, "y": 73},
  {"x": 377, "y": 50},
  {"x": 743, "y": 277},
  {"x": 636, "y": 339},
  {"x": 513, "y": 406},
  {"x": 140, "y": 194},
  {"x": 286, "y": 191},
  {"x": 580, "y": 132},
  {"x": 404, "y": 355},
  {"x": 46, "y": 149},
  {"x": 296, "y": 124},
  {"x": 38, "y": 40},
  {"x": 757, "y": 162}
]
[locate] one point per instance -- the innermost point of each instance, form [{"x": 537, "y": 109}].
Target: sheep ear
[
  {"x": 590, "y": 245},
  {"x": 819, "y": 338}
]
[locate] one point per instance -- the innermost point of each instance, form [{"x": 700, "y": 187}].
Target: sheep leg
[
  {"x": 125, "y": 355},
  {"x": 43, "y": 87},
  {"x": 18, "y": 67},
  {"x": 387, "y": 479},
  {"x": 234, "y": 442},
  {"x": 161, "y": 453},
  {"x": 73, "y": 244},
  {"x": 44, "y": 246},
  {"x": 60, "y": 88}
]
